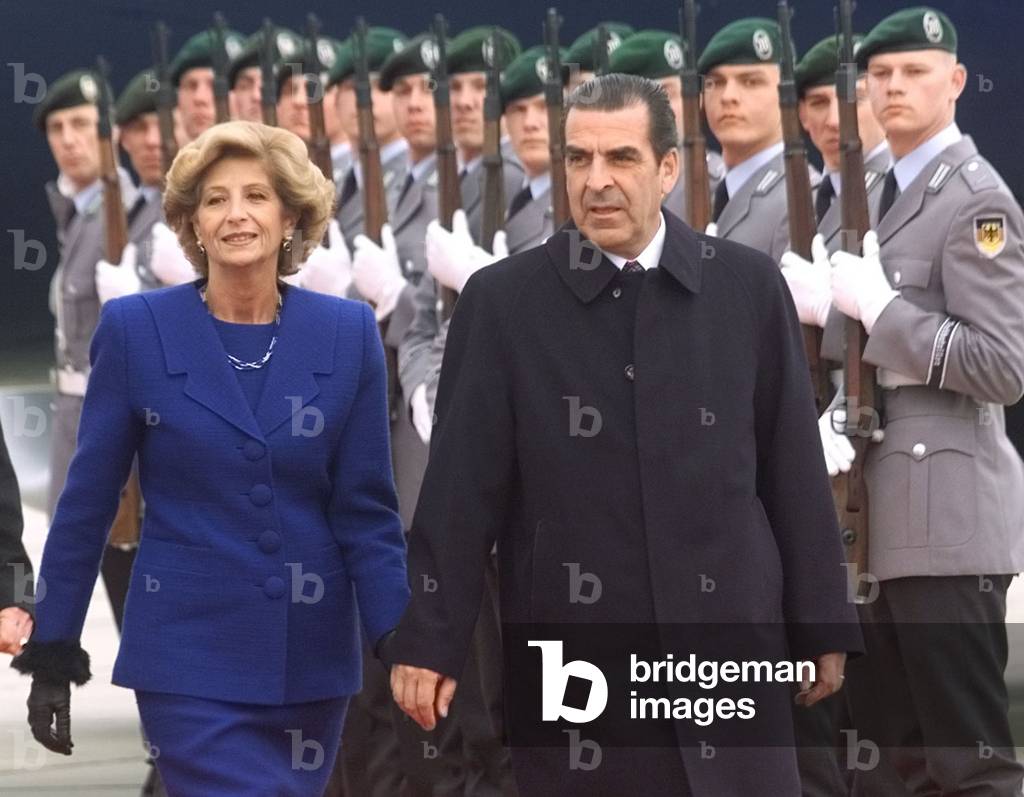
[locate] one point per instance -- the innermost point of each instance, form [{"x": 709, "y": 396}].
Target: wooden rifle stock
[
  {"x": 319, "y": 144},
  {"x": 493, "y": 215},
  {"x": 165, "y": 97},
  {"x": 268, "y": 81},
  {"x": 697, "y": 188},
  {"x": 222, "y": 108},
  {"x": 859, "y": 377},
  {"x": 449, "y": 195},
  {"x": 554, "y": 100},
  {"x": 800, "y": 204}
]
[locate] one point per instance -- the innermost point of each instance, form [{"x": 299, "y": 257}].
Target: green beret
[
  {"x": 75, "y": 88},
  {"x": 581, "y": 51},
  {"x": 138, "y": 97},
  {"x": 819, "y": 65},
  {"x": 328, "y": 51},
  {"x": 754, "y": 40},
  {"x": 919, "y": 28},
  {"x": 652, "y": 54},
  {"x": 381, "y": 43},
  {"x": 524, "y": 77},
  {"x": 288, "y": 46},
  {"x": 470, "y": 51},
  {"x": 198, "y": 51},
  {"x": 419, "y": 55},
  {"x": 343, "y": 66}
]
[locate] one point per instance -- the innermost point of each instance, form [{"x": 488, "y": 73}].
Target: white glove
[
  {"x": 860, "y": 288},
  {"x": 167, "y": 262},
  {"x": 328, "y": 270},
  {"x": 421, "y": 416},
  {"x": 113, "y": 281},
  {"x": 452, "y": 257},
  {"x": 810, "y": 282},
  {"x": 376, "y": 271},
  {"x": 711, "y": 229},
  {"x": 839, "y": 453}
]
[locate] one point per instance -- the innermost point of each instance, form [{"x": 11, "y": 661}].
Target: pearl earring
[
  {"x": 200, "y": 245},
  {"x": 286, "y": 244}
]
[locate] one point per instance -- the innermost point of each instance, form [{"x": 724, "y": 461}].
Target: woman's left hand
[{"x": 15, "y": 629}]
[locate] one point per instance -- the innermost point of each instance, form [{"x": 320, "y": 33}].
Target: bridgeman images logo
[{"x": 555, "y": 677}]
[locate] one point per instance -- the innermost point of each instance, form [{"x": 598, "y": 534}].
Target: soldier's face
[
  {"x": 240, "y": 220},
  {"x": 615, "y": 182},
  {"x": 413, "y": 102},
  {"x": 245, "y": 96},
  {"x": 819, "y": 115},
  {"x": 527, "y": 123},
  {"x": 742, "y": 106},
  {"x": 914, "y": 94},
  {"x": 468, "y": 90},
  {"x": 674, "y": 89},
  {"x": 140, "y": 138},
  {"x": 74, "y": 142},
  {"x": 332, "y": 121},
  {"x": 195, "y": 101},
  {"x": 292, "y": 109}
]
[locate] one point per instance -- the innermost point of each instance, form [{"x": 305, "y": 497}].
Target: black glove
[
  {"x": 54, "y": 666},
  {"x": 49, "y": 702}
]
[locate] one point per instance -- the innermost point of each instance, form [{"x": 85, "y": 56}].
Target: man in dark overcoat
[{"x": 627, "y": 405}]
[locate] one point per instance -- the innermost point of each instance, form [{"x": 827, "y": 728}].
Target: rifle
[
  {"x": 553, "y": 98},
  {"x": 220, "y": 69},
  {"x": 268, "y": 83},
  {"x": 375, "y": 209},
  {"x": 601, "y": 50},
  {"x": 125, "y": 528},
  {"x": 319, "y": 145},
  {"x": 493, "y": 215},
  {"x": 858, "y": 375},
  {"x": 802, "y": 221},
  {"x": 165, "y": 97},
  {"x": 697, "y": 188},
  {"x": 449, "y": 195}
]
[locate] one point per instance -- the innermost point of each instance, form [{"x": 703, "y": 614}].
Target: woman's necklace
[{"x": 242, "y": 365}]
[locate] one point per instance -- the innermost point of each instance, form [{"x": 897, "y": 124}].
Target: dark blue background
[{"x": 50, "y": 38}]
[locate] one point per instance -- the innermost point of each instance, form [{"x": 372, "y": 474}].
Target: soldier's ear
[{"x": 959, "y": 79}]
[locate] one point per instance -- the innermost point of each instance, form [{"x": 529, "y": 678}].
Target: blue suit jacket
[{"x": 263, "y": 531}]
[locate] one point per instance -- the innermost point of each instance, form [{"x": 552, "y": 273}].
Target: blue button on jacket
[{"x": 267, "y": 535}]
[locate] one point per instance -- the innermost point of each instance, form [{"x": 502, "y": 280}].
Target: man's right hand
[{"x": 423, "y": 694}]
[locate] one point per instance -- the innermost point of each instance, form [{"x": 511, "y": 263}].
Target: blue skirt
[{"x": 215, "y": 748}]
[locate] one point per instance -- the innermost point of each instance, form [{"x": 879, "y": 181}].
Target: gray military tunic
[
  {"x": 472, "y": 189},
  {"x": 350, "y": 203},
  {"x": 757, "y": 215},
  {"x": 675, "y": 200},
  {"x": 76, "y": 309}
]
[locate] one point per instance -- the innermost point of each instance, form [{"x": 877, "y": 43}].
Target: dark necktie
[
  {"x": 631, "y": 267},
  {"x": 405, "y": 188},
  {"x": 889, "y": 193},
  {"x": 721, "y": 200},
  {"x": 823, "y": 201},
  {"x": 520, "y": 201},
  {"x": 348, "y": 188}
]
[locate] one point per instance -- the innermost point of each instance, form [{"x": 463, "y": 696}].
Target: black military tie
[
  {"x": 520, "y": 201},
  {"x": 405, "y": 188},
  {"x": 890, "y": 190},
  {"x": 823, "y": 201},
  {"x": 348, "y": 188},
  {"x": 631, "y": 267},
  {"x": 721, "y": 200}
]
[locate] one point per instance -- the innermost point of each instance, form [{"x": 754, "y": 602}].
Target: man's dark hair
[{"x": 616, "y": 91}]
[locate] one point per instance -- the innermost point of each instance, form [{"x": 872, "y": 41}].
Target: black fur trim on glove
[{"x": 54, "y": 662}]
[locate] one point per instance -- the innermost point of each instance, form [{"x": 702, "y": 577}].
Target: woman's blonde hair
[{"x": 302, "y": 187}]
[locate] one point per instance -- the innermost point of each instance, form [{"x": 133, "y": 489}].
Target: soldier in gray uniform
[
  {"x": 939, "y": 290},
  {"x": 191, "y": 71},
  {"x": 245, "y": 77},
  {"x": 741, "y": 99},
  {"x": 658, "y": 55},
  {"x": 380, "y": 44}
]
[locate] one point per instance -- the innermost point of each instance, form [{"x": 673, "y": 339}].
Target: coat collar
[
  {"x": 587, "y": 272},
  {"x": 305, "y": 346},
  {"x": 930, "y": 181}
]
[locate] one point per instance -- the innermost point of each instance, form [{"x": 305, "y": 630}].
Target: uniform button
[
  {"x": 896, "y": 277},
  {"x": 253, "y": 450},
  {"x": 972, "y": 166},
  {"x": 269, "y": 541},
  {"x": 918, "y": 450},
  {"x": 630, "y": 372},
  {"x": 260, "y": 494},
  {"x": 273, "y": 587},
  {"x": 617, "y": 293}
]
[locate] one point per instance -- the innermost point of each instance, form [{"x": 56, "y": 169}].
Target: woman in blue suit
[{"x": 258, "y": 413}]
